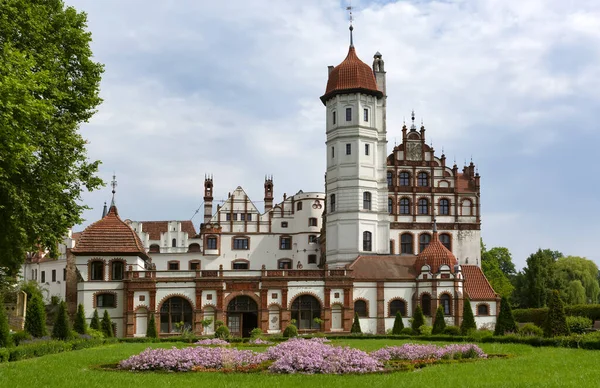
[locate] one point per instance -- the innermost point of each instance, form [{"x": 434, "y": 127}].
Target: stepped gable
[
  {"x": 156, "y": 228},
  {"x": 110, "y": 235},
  {"x": 351, "y": 76},
  {"x": 477, "y": 286},
  {"x": 381, "y": 267},
  {"x": 435, "y": 255}
]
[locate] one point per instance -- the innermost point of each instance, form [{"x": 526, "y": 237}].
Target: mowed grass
[{"x": 527, "y": 367}]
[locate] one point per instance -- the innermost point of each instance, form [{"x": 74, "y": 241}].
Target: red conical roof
[
  {"x": 350, "y": 76},
  {"x": 110, "y": 235},
  {"x": 435, "y": 255}
]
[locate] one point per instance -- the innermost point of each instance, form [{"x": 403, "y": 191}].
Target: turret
[
  {"x": 208, "y": 198},
  {"x": 268, "y": 193}
]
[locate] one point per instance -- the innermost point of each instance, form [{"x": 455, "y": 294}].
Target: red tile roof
[
  {"x": 477, "y": 286},
  {"x": 156, "y": 228},
  {"x": 435, "y": 255},
  {"x": 352, "y": 75},
  {"x": 384, "y": 267},
  {"x": 110, "y": 235}
]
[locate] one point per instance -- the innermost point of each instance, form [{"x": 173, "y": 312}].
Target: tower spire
[
  {"x": 349, "y": 8},
  {"x": 113, "y": 183}
]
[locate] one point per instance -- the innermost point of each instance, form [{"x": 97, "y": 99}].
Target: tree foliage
[
  {"x": 576, "y": 273},
  {"x": 151, "y": 330},
  {"x": 50, "y": 85},
  {"x": 418, "y": 320},
  {"x": 498, "y": 268},
  {"x": 61, "y": 329},
  {"x": 80, "y": 324},
  {"x": 106, "y": 325},
  {"x": 35, "y": 317},
  {"x": 5, "y": 338},
  {"x": 538, "y": 279},
  {"x": 356, "y": 325},
  {"x": 468, "y": 323},
  {"x": 398, "y": 324},
  {"x": 506, "y": 321},
  {"x": 439, "y": 324},
  {"x": 556, "y": 320},
  {"x": 95, "y": 323}
]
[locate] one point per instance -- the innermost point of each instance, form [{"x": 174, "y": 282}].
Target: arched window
[
  {"x": 423, "y": 179},
  {"x": 404, "y": 178},
  {"x": 444, "y": 207},
  {"x": 406, "y": 244},
  {"x": 405, "y": 206},
  {"x": 466, "y": 207},
  {"x": 445, "y": 240},
  {"x": 117, "y": 270},
  {"x": 483, "y": 309},
  {"x": 299, "y": 206},
  {"x": 397, "y": 305},
  {"x": 445, "y": 302},
  {"x": 305, "y": 308},
  {"x": 389, "y": 178},
  {"x": 97, "y": 270},
  {"x": 175, "y": 315},
  {"x": 360, "y": 308},
  {"x": 174, "y": 243},
  {"x": 390, "y": 205},
  {"x": 332, "y": 202},
  {"x": 107, "y": 300},
  {"x": 426, "y": 304},
  {"x": 284, "y": 264},
  {"x": 367, "y": 242},
  {"x": 154, "y": 248},
  {"x": 194, "y": 247},
  {"x": 424, "y": 240},
  {"x": 423, "y": 206},
  {"x": 367, "y": 200}
]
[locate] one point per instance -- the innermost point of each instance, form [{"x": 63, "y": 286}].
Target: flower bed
[
  {"x": 296, "y": 356},
  {"x": 212, "y": 341}
]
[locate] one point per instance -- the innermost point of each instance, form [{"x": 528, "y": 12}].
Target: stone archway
[
  {"x": 176, "y": 314},
  {"x": 242, "y": 315}
]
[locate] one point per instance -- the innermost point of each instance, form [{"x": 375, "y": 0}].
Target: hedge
[
  {"x": 41, "y": 348},
  {"x": 538, "y": 315}
]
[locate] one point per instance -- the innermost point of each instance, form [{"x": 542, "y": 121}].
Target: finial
[
  {"x": 412, "y": 117},
  {"x": 114, "y": 186},
  {"x": 349, "y": 9},
  {"x": 104, "y": 210}
]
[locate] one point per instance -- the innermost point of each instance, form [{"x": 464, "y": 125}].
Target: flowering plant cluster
[
  {"x": 212, "y": 341},
  {"x": 428, "y": 352},
  {"x": 259, "y": 341}
]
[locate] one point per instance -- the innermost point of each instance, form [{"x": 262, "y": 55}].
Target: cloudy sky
[{"x": 232, "y": 88}]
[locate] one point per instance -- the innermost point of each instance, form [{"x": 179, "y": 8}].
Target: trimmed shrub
[
  {"x": 505, "y": 322},
  {"x": 5, "y": 338},
  {"x": 151, "y": 330},
  {"x": 35, "y": 319},
  {"x": 538, "y": 316},
  {"x": 4, "y": 355},
  {"x": 468, "y": 323},
  {"x": 95, "y": 323},
  {"x": 222, "y": 332},
  {"x": 529, "y": 329},
  {"x": 106, "y": 325},
  {"x": 80, "y": 324},
  {"x": 439, "y": 324},
  {"x": 290, "y": 331},
  {"x": 256, "y": 333},
  {"x": 398, "y": 324},
  {"x": 355, "y": 325},
  {"x": 20, "y": 336},
  {"x": 451, "y": 330},
  {"x": 425, "y": 330},
  {"x": 418, "y": 320},
  {"x": 61, "y": 328},
  {"x": 407, "y": 331},
  {"x": 95, "y": 334},
  {"x": 556, "y": 321},
  {"x": 218, "y": 323},
  {"x": 578, "y": 325}
]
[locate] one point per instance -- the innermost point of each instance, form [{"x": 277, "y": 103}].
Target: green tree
[
  {"x": 574, "y": 293},
  {"x": 35, "y": 317},
  {"x": 468, "y": 323},
  {"x": 95, "y": 323},
  {"x": 80, "y": 324},
  {"x": 506, "y": 321},
  {"x": 50, "y": 85},
  {"x": 439, "y": 324},
  {"x": 540, "y": 278},
  {"x": 498, "y": 279},
  {"x": 418, "y": 320},
  {"x": 5, "y": 338},
  {"x": 61, "y": 329},
  {"x": 582, "y": 271},
  {"x": 556, "y": 320},
  {"x": 151, "y": 330},
  {"x": 106, "y": 325},
  {"x": 356, "y": 325},
  {"x": 398, "y": 324}
]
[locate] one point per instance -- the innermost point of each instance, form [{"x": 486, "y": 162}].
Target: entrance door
[
  {"x": 242, "y": 316},
  {"x": 141, "y": 322},
  {"x": 336, "y": 317},
  {"x": 234, "y": 323}
]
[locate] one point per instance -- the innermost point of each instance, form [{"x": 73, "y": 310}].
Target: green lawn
[{"x": 529, "y": 367}]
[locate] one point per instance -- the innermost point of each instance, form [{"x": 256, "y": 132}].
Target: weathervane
[{"x": 113, "y": 183}]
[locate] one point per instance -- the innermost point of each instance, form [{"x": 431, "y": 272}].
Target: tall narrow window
[
  {"x": 312, "y": 221},
  {"x": 348, "y": 149},
  {"x": 367, "y": 200},
  {"x": 389, "y": 178},
  {"x": 404, "y": 178},
  {"x": 333, "y": 118},
  {"x": 285, "y": 242},
  {"x": 424, "y": 240},
  {"x": 366, "y": 115},
  {"x": 117, "y": 270},
  {"x": 174, "y": 243},
  {"x": 242, "y": 216},
  {"x": 444, "y": 207},
  {"x": 97, "y": 270},
  {"x": 211, "y": 243},
  {"x": 422, "y": 179},
  {"x": 53, "y": 275},
  {"x": 367, "y": 242},
  {"x": 299, "y": 206},
  {"x": 348, "y": 114},
  {"x": 445, "y": 302},
  {"x": 390, "y": 206},
  {"x": 366, "y": 149},
  {"x": 426, "y": 304},
  {"x": 332, "y": 152},
  {"x": 423, "y": 206},
  {"x": 466, "y": 207},
  {"x": 445, "y": 240},
  {"x": 406, "y": 244},
  {"x": 332, "y": 202},
  {"x": 43, "y": 276},
  {"x": 404, "y": 206}
]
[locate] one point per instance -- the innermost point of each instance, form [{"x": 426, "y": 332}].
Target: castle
[{"x": 390, "y": 232}]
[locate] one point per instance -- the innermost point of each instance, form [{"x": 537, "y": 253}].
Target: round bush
[
  {"x": 451, "y": 330},
  {"x": 20, "y": 336},
  {"x": 256, "y": 333},
  {"x": 425, "y": 330},
  {"x": 530, "y": 329},
  {"x": 222, "y": 332},
  {"x": 578, "y": 325},
  {"x": 290, "y": 331},
  {"x": 407, "y": 331}
]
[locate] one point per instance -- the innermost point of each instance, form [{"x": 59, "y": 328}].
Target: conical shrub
[
  {"x": 35, "y": 319},
  {"x": 468, "y": 323},
  {"x": 398, "y": 324},
  {"x": 80, "y": 324},
  {"x": 556, "y": 320},
  {"x": 61, "y": 329},
  {"x": 356, "y": 325},
  {"x": 106, "y": 325},
  {"x": 418, "y": 320},
  {"x": 95, "y": 323},
  {"x": 506, "y": 321},
  {"x": 151, "y": 330},
  {"x": 439, "y": 324}
]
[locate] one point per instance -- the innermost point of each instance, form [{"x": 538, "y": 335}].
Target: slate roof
[{"x": 477, "y": 286}]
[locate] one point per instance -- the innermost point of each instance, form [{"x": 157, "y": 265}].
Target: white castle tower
[{"x": 357, "y": 217}]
